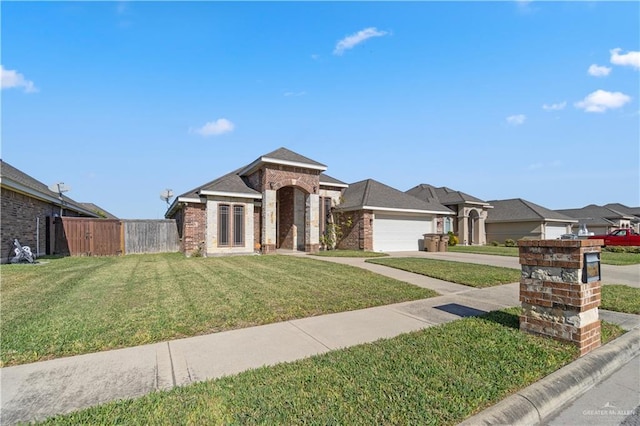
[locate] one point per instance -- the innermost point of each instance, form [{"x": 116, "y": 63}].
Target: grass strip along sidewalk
[
  {"x": 607, "y": 258},
  {"x": 78, "y": 305},
  {"x": 621, "y": 298},
  {"x": 440, "y": 375},
  {"x": 456, "y": 272}
]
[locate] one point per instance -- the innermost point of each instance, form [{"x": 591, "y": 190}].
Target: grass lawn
[
  {"x": 607, "y": 258},
  {"x": 456, "y": 272},
  {"x": 440, "y": 375},
  {"x": 77, "y": 305},
  {"x": 349, "y": 253},
  {"x": 621, "y": 298}
]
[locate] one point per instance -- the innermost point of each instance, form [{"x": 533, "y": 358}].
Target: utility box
[{"x": 431, "y": 242}]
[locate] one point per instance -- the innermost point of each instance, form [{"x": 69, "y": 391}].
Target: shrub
[
  {"x": 509, "y": 243},
  {"x": 495, "y": 243},
  {"x": 453, "y": 239}
]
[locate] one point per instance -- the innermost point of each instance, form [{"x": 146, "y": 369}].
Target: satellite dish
[
  {"x": 166, "y": 195},
  {"x": 59, "y": 188}
]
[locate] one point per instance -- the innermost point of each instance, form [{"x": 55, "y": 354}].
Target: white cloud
[
  {"x": 631, "y": 58},
  {"x": 599, "y": 71},
  {"x": 554, "y": 107},
  {"x": 294, "y": 94},
  {"x": 12, "y": 79},
  {"x": 516, "y": 120},
  {"x": 601, "y": 100},
  {"x": 315, "y": 56},
  {"x": 353, "y": 40},
  {"x": 215, "y": 128}
]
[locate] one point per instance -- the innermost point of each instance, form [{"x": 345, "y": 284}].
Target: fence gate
[{"x": 88, "y": 237}]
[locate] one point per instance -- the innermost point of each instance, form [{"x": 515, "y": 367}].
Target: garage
[
  {"x": 397, "y": 232},
  {"x": 553, "y": 232}
]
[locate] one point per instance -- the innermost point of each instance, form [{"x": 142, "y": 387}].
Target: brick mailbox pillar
[{"x": 560, "y": 290}]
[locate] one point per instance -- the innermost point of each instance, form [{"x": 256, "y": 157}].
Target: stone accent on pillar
[
  {"x": 558, "y": 299},
  {"x": 269, "y": 217},
  {"x": 312, "y": 224}
]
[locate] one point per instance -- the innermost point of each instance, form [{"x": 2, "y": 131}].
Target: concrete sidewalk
[{"x": 39, "y": 390}]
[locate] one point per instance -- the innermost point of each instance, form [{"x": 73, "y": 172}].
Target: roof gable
[
  {"x": 371, "y": 194},
  {"x": 286, "y": 157},
  {"x": 443, "y": 195},
  {"x": 517, "y": 209}
]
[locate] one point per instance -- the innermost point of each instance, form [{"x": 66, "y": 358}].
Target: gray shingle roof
[
  {"x": 518, "y": 209},
  {"x": 231, "y": 182},
  {"x": 284, "y": 154},
  {"x": 443, "y": 195},
  {"x": 635, "y": 211},
  {"x": 325, "y": 178},
  {"x": 9, "y": 172},
  {"x": 372, "y": 194},
  {"x": 595, "y": 215},
  {"x": 98, "y": 210}
]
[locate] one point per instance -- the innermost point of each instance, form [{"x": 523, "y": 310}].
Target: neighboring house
[
  {"x": 28, "y": 208},
  {"x": 517, "y": 219},
  {"x": 386, "y": 219},
  {"x": 102, "y": 213},
  {"x": 603, "y": 219},
  {"x": 470, "y": 213},
  {"x": 284, "y": 200}
]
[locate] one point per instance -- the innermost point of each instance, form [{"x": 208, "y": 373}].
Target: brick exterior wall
[
  {"x": 555, "y": 301},
  {"x": 18, "y": 219},
  {"x": 358, "y": 236},
  {"x": 281, "y": 176},
  {"x": 192, "y": 227}
]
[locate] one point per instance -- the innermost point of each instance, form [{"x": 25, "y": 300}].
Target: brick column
[{"x": 559, "y": 299}]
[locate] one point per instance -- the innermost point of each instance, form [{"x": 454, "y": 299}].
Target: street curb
[{"x": 536, "y": 403}]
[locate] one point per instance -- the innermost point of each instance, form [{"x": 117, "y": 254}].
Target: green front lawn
[
  {"x": 607, "y": 258},
  {"x": 440, "y": 375},
  {"x": 77, "y": 305},
  {"x": 621, "y": 298},
  {"x": 349, "y": 253},
  {"x": 456, "y": 272}
]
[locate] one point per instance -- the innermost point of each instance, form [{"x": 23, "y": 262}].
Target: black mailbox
[{"x": 591, "y": 271}]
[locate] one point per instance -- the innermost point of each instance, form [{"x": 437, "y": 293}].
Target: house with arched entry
[
  {"x": 470, "y": 213},
  {"x": 284, "y": 200}
]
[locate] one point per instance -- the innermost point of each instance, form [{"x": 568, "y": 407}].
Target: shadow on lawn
[{"x": 507, "y": 317}]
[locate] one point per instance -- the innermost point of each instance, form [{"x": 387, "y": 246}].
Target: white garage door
[
  {"x": 553, "y": 232},
  {"x": 399, "y": 232}
]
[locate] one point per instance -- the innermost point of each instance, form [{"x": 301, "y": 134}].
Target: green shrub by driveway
[
  {"x": 456, "y": 272},
  {"x": 77, "y": 305}
]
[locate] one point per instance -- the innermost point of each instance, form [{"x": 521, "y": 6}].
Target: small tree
[{"x": 334, "y": 231}]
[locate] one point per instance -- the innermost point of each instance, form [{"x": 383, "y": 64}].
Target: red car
[{"x": 619, "y": 237}]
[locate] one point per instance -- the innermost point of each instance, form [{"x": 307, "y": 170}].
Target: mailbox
[{"x": 591, "y": 271}]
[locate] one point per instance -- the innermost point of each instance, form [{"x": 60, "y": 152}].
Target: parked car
[{"x": 619, "y": 237}]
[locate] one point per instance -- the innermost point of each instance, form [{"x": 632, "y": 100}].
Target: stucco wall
[{"x": 515, "y": 230}]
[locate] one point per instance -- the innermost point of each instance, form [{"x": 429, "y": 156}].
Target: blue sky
[{"x": 120, "y": 100}]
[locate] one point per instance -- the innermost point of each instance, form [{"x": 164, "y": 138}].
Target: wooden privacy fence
[
  {"x": 109, "y": 237},
  {"x": 150, "y": 236}
]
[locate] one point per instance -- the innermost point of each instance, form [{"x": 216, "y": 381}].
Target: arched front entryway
[{"x": 292, "y": 211}]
